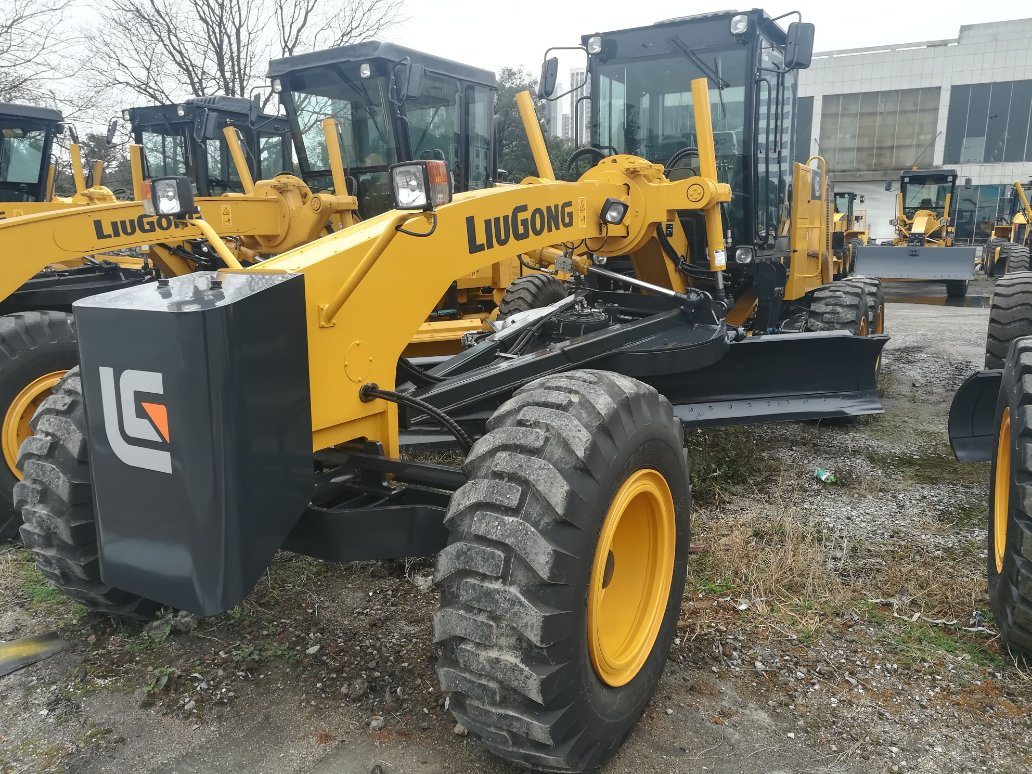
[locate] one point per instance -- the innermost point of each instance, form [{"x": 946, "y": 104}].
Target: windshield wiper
[{"x": 694, "y": 58}]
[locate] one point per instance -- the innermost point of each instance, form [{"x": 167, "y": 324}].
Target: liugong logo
[{"x": 152, "y": 427}]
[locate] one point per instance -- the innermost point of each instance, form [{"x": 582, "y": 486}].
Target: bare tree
[
  {"x": 31, "y": 41},
  {"x": 164, "y": 50}
]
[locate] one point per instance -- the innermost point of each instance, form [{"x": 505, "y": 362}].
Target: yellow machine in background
[
  {"x": 923, "y": 247},
  {"x": 1008, "y": 248},
  {"x": 849, "y": 228}
]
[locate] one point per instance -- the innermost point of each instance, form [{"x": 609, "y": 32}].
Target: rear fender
[{"x": 972, "y": 423}]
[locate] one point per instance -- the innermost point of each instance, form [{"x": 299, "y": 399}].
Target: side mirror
[
  {"x": 413, "y": 81},
  {"x": 254, "y": 110},
  {"x": 549, "y": 75},
  {"x": 967, "y": 182},
  {"x": 112, "y": 127},
  {"x": 206, "y": 126},
  {"x": 862, "y": 199},
  {"x": 799, "y": 45},
  {"x": 888, "y": 185}
]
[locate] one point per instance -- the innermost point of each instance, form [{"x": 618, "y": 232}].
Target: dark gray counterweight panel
[{"x": 199, "y": 420}]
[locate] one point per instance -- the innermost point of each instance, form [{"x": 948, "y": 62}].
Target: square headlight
[
  {"x": 172, "y": 196},
  {"x": 420, "y": 185},
  {"x": 613, "y": 211}
]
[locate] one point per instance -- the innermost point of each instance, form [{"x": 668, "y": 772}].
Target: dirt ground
[{"x": 826, "y": 627}]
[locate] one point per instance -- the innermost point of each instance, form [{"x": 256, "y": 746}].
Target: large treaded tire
[
  {"x": 56, "y": 500},
  {"x": 875, "y": 296},
  {"x": 32, "y": 344},
  {"x": 514, "y": 577},
  {"x": 1010, "y": 316},
  {"x": 531, "y": 292},
  {"x": 1010, "y": 591},
  {"x": 1014, "y": 258},
  {"x": 840, "y": 306},
  {"x": 990, "y": 255}
]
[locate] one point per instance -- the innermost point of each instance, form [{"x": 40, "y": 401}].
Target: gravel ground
[{"x": 826, "y": 627}]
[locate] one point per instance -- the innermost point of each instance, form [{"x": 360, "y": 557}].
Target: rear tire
[
  {"x": 956, "y": 288},
  {"x": 518, "y": 580},
  {"x": 1013, "y": 258},
  {"x": 1010, "y": 316},
  {"x": 56, "y": 500},
  {"x": 1009, "y": 565},
  {"x": 840, "y": 306},
  {"x": 36, "y": 348},
  {"x": 990, "y": 256},
  {"x": 530, "y": 292}
]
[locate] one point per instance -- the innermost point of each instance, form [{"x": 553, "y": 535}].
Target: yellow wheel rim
[
  {"x": 19, "y": 413},
  {"x": 1001, "y": 490},
  {"x": 631, "y": 576}
]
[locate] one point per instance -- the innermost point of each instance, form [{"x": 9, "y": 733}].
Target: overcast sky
[{"x": 497, "y": 34}]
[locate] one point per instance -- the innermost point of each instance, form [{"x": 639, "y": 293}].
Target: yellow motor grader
[
  {"x": 1008, "y": 248},
  {"x": 923, "y": 248},
  {"x": 562, "y": 541}
]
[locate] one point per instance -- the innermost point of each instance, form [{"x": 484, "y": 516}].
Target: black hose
[
  {"x": 370, "y": 392},
  {"x": 417, "y": 374}
]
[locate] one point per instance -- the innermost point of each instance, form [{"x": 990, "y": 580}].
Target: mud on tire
[
  {"x": 56, "y": 501},
  {"x": 515, "y": 576},
  {"x": 32, "y": 344},
  {"x": 530, "y": 292},
  {"x": 1010, "y": 316}
]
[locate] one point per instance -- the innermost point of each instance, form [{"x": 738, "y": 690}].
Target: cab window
[
  {"x": 480, "y": 108},
  {"x": 433, "y": 121},
  {"x": 165, "y": 154},
  {"x": 270, "y": 155}
]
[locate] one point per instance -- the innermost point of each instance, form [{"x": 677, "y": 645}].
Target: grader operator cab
[
  {"x": 26, "y": 146},
  {"x": 562, "y": 542},
  {"x": 396, "y": 104},
  {"x": 923, "y": 246},
  {"x": 188, "y": 139}
]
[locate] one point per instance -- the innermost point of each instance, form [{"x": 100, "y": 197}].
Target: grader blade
[{"x": 916, "y": 263}]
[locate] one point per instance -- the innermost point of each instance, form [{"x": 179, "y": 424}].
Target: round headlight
[
  {"x": 744, "y": 255},
  {"x": 365, "y": 70},
  {"x": 277, "y": 85},
  {"x": 739, "y": 24},
  {"x": 180, "y": 111},
  {"x": 595, "y": 44},
  {"x": 125, "y": 115}
]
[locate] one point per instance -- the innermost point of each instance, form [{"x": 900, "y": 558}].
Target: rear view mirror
[
  {"x": 254, "y": 110},
  {"x": 206, "y": 126},
  {"x": 862, "y": 199},
  {"x": 888, "y": 185},
  {"x": 413, "y": 87},
  {"x": 112, "y": 127},
  {"x": 967, "y": 182},
  {"x": 799, "y": 45},
  {"x": 549, "y": 74}
]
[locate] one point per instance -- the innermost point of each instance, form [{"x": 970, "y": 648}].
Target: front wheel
[
  {"x": 562, "y": 580},
  {"x": 36, "y": 349},
  {"x": 840, "y": 306},
  {"x": 56, "y": 499},
  {"x": 1010, "y": 519}
]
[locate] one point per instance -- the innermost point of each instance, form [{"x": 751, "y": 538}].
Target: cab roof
[
  {"x": 30, "y": 111},
  {"x": 928, "y": 173},
  {"x": 374, "y": 49},
  {"x": 770, "y": 27}
]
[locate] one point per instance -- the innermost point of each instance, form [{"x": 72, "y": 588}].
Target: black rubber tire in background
[
  {"x": 514, "y": 577},
  {"x": 56, "y": 500},
  {"x": 530, "y": 292},
  {"x": 1010, "y": 591},
  {"x": 1014, "y": 258},
  {"x": 32, "y": 344},
  {"x": 956, "y": 288},
  {"x": 854, "y": 245},
  {"x": 875, "y": 301},
  {"x": 1010, "y": 316},
  {"x": 840, "y": 306},
  {"x": 989, "y": 257}
]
